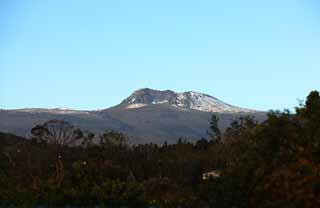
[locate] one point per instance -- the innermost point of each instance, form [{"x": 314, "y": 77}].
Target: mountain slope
[
  {"x": 187, "y": 100},
  {"x": 146, "y": 116}
]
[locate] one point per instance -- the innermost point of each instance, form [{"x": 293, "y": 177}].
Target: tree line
[{"x": 271, "y": 164}]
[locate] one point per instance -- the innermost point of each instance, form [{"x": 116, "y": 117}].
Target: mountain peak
[
  {"x": 186, "y": 100},
  {"x": 151, "y": 91}
]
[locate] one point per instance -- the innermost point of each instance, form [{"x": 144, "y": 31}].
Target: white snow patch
[
  {"x": 136, "y": 105},
  {"x": 160, "y": 102},
  {"x": 52, "y": 110}
]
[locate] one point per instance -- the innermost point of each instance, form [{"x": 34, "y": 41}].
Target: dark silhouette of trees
[
  {"x": 275, "y": 163},
  {"x": 113, "y": 138},
  {"x": 214, "y": 133},
  {"x": 57, "y": 132}
]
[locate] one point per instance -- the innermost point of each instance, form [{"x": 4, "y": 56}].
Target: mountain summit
[{"x": 186, "y": 101}]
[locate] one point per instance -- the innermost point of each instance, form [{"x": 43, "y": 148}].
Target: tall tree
[
  {"x": 57, "y": 132},
  {"x": 214, "y": 133}
]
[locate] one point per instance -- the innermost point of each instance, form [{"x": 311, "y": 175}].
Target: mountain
[
  {"x": 186, "y": 100},
  {"x": 146, "y": 116}
]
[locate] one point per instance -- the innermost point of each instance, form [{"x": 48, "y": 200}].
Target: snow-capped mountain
[
  {"x": 145, "y": 116},
  {"x": 186, "y": 101}
]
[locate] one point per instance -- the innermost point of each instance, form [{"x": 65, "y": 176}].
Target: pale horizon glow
[{"x": 89, "y": 55}]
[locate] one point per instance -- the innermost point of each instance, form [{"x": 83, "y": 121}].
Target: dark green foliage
[
  {"x": 214, "y": 133},
  {"x": 269, "y": 165}
]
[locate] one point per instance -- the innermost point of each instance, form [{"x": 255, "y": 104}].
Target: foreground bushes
[{"x": 268, "y": 165}]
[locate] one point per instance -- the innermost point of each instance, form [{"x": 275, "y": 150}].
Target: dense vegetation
[{"x": 271, "y": 164}]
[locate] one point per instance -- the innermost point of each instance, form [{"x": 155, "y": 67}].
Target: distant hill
[{"x": 146, "y": 116}]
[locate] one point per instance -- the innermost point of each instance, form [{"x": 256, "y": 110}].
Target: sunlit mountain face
[{"x": 185, "y": 101}]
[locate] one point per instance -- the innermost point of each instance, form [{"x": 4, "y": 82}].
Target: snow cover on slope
[
  {"x": 203, "y": 102},
  {"x": 51, "y": 110},
  {"x": 186, "y": 100},
  {"x": 136, "y": 105}
]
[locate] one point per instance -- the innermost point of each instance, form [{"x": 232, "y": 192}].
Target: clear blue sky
[{"x": 92, "y": 54}]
